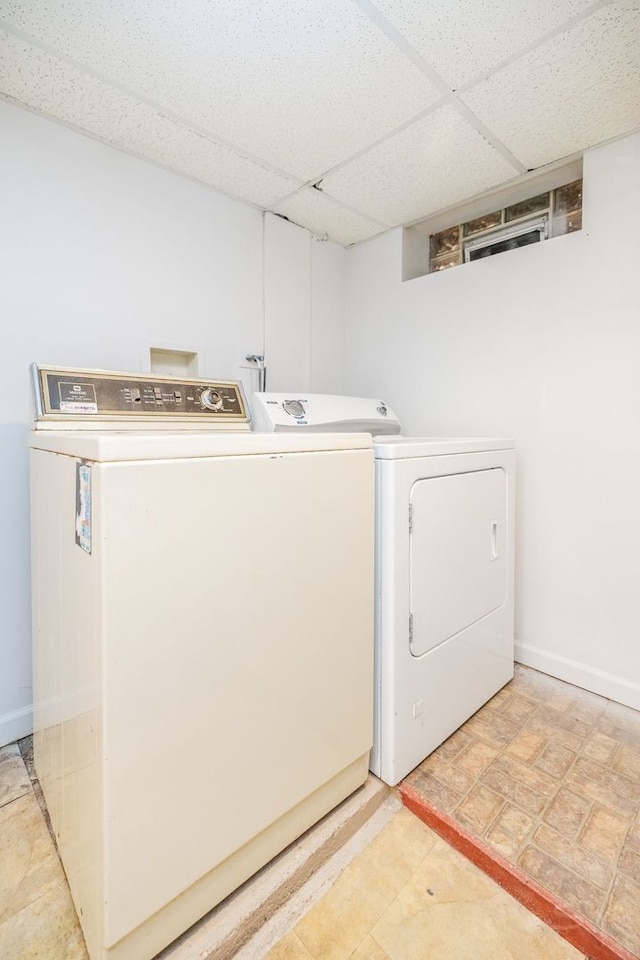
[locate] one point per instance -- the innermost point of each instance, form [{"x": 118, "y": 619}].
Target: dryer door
[{"x": 458, "y": 554}]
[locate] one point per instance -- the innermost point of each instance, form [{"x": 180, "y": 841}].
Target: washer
[
  {"x": 202, "y": 641},
  {"x": 444, "y": 573}
]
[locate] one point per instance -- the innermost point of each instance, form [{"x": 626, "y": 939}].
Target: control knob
[
  {"x": 294, "y": 408},
  {"x": 211, "y": 399}
]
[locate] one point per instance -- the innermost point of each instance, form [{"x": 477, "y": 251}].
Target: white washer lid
[
  {"x": 402, "y": 448},
  {"x": 113, "y": 445}
]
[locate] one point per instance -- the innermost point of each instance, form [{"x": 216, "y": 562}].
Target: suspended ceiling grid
[{"x": 346, "y": 116}]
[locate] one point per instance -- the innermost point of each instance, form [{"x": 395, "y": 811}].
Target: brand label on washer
[
  {"x": 77, "y": 397},
  {"x": 83, "y": 506}
]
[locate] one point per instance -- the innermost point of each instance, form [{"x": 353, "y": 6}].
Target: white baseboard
[
  {"x": 580, "y": 674},
  {"x": 15, "y": 725}
]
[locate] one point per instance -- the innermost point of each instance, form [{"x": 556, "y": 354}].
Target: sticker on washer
[
  {"x": 83, "y": 506},
  {"x": 77, "y": 397},
  {"x": 78, "y": 407}
]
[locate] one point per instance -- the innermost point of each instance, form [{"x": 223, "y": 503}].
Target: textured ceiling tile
[
  {"x": 60, "y": 91},
  {"x": 466, "y": 38},
  {"x": 312, "y": 209},
  {"x": 436, "y": 162},
  {"x": 579, "y": 89},
  {"x": 301, "y": 85}
]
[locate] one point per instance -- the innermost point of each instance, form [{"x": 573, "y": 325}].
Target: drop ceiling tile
[
  {"x": 301, "y": 85},
  {"x": 60, "y": 91},
  {"x": 323, "y": 216},
  {"x": 467, "y": 38},
  {"x": 434, "y": 163},
  {"x": 579, "y": 89}
]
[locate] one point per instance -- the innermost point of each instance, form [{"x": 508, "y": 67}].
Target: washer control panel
[{"x": 62, "y": 393}]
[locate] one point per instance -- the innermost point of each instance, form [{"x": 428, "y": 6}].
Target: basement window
[{"x": 531, "y": 220}]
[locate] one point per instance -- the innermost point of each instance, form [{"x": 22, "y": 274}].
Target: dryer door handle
[{"x": 493, "y": 548}]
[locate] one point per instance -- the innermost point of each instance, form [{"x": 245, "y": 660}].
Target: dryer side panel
[{"x": 458, "y": 554}]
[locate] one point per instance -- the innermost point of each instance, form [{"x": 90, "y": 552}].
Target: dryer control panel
[
  {"x": 70, "y": 393},
  {"x": 286, "y": 412}
]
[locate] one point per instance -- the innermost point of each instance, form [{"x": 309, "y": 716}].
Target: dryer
[
  {"x": 444, "y": 590},
  {"x": 444, "y": 580}
]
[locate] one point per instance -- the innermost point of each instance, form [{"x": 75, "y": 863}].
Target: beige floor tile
[
  {"x": 600, "y": 747},
  {"x": 581, "y": 895},
  {"x": 604, "y": 833},
  {"x": 335, "y": 927},
  {"x": 417, "y": 839},
  {"x": 493, "y": 726},
  {"x": 455, "y": 931},
  {"x": 507, "y": 787},
  {"x": 567, "y": 812},
  {"x": 434, "y": 791},
  {"x": 450, "y": 909},
  {"x": 14, "y": 779},
  {"x": 479, "y": 808},
  {"x": 581, "y": 861},
  {"x": 289, "y": 948},
  {"x": 555, "y": 759},
  {"x": 369, "y": 949},
  {"x": 449, "y": 774},
  {"x": 501, "y": 699},
  {"x": 475, "y": 759},
  {"x": 526, "y": 746},
  {"x": 595, "y": 782},
  {"x": 445, "y": 876},
  {"x": 46, "y": 929},
  {"x": 537, "y": 780},
  {"x": 624, "y": 720},
  {"x": 621, "y": 915},
  {"x": 518, "y": 707},
  {"x": 455, "y": 744},
  {"x": 538, "y": 724},
  {"x": 629, "y": 861},
  {"x": 510, "y": 830},
  {"x": 29, "y": 864},
  {"x": 627, "y": 762},
  {"x": 526, "y": 936}
]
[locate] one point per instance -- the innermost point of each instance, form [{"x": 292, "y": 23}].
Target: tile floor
[
  {"x": 546, "y": 775},
  {"x": 37, "y": 917},
  {"x": 410, "y": 896}
]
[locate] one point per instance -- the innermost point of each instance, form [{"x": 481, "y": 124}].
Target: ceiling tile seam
[
  {"x": 380, "y": 21},
  {"x": 487, "y": 135},
  {"x": 339, "y": 203},
  {"x": 130, "y": 152},
  {"x": 432, "y": 108},
  {"x": 159, "y": 109},
  {"x": 523, "y": 51}
]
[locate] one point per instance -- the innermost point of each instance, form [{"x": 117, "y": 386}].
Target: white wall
[
  {"x": 304, "y": 303},
  {"x": 102, "y": 256},
  {"x": 542, "y": 344}
]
